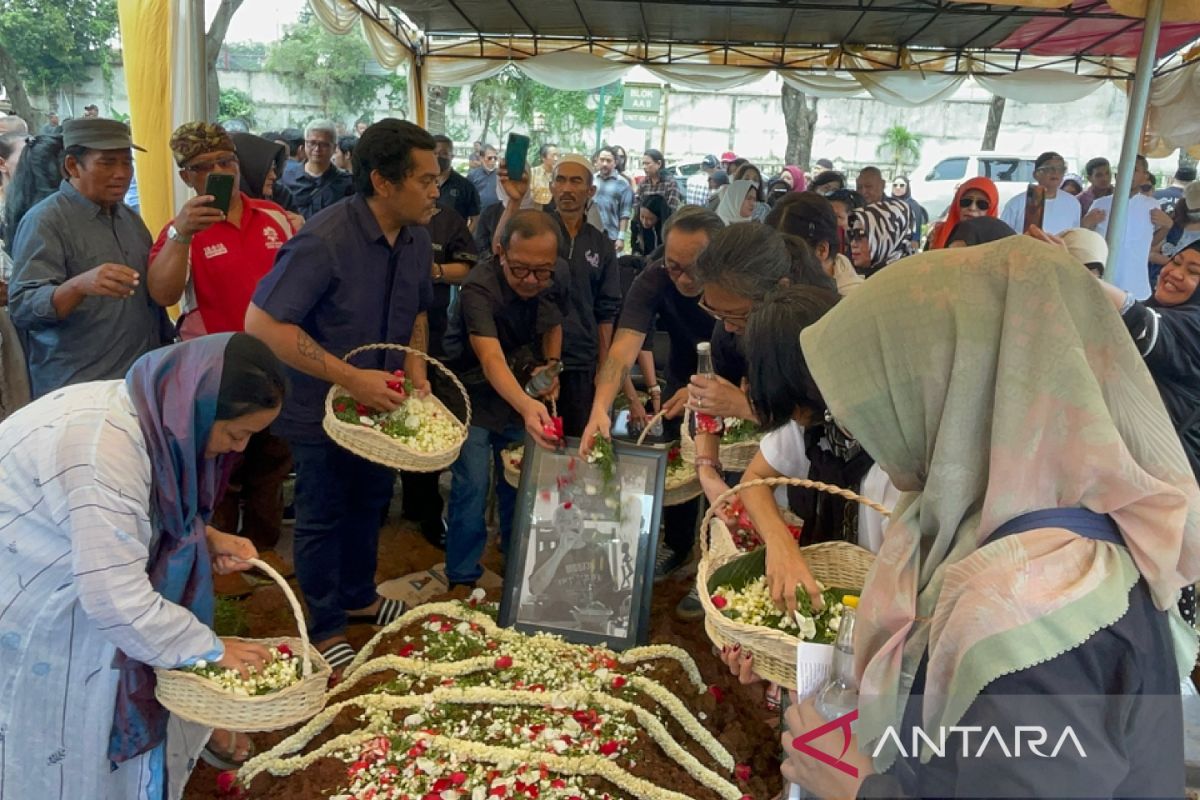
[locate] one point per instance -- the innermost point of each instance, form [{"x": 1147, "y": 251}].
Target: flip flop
[
  {"x": 389, "y": 611},
  {"x": 338, "y": 656},
  {"x": 224, "y": 761}
]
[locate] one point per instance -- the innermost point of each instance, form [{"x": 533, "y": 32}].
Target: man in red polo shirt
[{"x": 210, "y": 263}]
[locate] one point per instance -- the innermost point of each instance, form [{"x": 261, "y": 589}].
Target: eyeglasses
[
  {"x": 856, "y": 235},
  {"x": 208, "y": 166},
  {"x": 676, "y": 271},
  {"x": 521, "y": 272},
  {"x": 1049, "y": 169},
  {"x": 317, "y": 144},
  {"x": 489, "y": 158},
  {"x": 982, "y": 203},
  {"x": 730, "y": 319}
]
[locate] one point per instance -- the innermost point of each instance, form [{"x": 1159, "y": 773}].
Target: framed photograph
[{"x": 581, "y": 558}]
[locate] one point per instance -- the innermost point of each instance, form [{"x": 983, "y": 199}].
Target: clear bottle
[
  {"x": 543, "y": 380},
  {"x": 705, "y": 423}
]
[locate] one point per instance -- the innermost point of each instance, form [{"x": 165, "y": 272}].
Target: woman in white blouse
[{"x": 106, "y": 566}]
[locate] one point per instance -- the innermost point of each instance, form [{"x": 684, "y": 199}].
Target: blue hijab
[{"x": 175, "y": 391}]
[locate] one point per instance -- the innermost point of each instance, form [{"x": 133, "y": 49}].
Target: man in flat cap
[
  {"x": 79, "y": 290},
  {"x": 210, "y": 262}
]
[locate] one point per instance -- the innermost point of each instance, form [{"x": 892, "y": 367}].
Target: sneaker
[
  {"x": 434, "y": 531},
  {"x": 689, "y": 608},
  {"x": 666, "y": 562}
]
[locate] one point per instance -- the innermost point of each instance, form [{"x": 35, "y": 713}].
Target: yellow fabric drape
[{"x": 147, "y": 46}]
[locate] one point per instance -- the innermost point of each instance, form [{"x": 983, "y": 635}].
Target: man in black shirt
[
  {"x": 457, "y": 192},
  {"x": 319, "y": 184},
  {"x": 454, "y": 255},
  {"x": 507, "y": 327}
]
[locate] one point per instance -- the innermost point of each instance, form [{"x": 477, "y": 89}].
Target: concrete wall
[{"x": 749, "y": 121}]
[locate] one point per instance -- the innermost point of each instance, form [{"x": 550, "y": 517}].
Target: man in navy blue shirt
[{"x": 357, "y": 273}]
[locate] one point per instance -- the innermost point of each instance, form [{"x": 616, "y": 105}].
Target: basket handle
[
  {"x": 295, "y": 604},
  {"x": 405, "y": 348},
  {"x": 650, "y": 424},
  {"x": 829, "y": 488}
]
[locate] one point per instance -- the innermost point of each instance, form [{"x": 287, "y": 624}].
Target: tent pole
[{"x": 1138, "y": 100}]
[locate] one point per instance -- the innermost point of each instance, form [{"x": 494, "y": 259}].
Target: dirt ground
[{"x": 402, "y": 551}]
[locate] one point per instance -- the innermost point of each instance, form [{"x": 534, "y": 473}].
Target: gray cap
[{"x": 98, "y": 133}]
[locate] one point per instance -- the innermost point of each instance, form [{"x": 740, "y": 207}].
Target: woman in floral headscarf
[
  {"x": 107, "y": 488},
  {"x": 1048, "y": 521},
  {"x": 879, "y": 235}
]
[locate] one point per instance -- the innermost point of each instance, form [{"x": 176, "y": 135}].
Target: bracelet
[
  {"x": 655, "y": 390},
  {"x": 705, "y": 461}
]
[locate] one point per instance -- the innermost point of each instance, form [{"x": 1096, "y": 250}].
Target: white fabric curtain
[
  {"x": 903, "y": 87},
  {"x": 460, "y": 71},
  {"x": 1173, "y": 121},
  {"x": 338, "y": 16},
  {"x": 818, "y": 85},
  {"x": 388, "y": 52},
  {"x": 712, "y": 77},
  {"x": 1039, "y": 86},
  {"x": 572, "y": 71}
]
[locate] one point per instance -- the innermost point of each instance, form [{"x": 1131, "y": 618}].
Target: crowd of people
[{"x": 994, "y": 385}]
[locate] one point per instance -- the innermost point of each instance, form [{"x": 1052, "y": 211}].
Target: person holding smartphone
[{"x": 209, "y": 259}]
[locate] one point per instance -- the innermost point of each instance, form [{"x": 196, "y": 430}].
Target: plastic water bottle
[
  {"x": 839, "y": 696},
  {"x": 543, "y": 380},
  {"x": 705, "y": 423}
]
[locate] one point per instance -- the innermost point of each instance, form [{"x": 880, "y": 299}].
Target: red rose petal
[{"x": 719, "y": 601}]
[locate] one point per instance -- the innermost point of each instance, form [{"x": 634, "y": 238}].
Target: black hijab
[
  {"x": 980, "y": 230},
  {"x": 256, "y": 156}
]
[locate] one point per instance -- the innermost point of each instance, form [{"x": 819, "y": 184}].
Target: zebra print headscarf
[{"x": 887, "y": 225}]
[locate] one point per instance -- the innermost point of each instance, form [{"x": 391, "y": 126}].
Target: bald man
[{"x": 870, "y": 184}]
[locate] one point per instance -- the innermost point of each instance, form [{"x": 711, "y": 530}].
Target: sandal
[
  {"x": 225, "y": 760},
  {"x": 338, "y": 656},
  {"x": 389, "y": 611}
]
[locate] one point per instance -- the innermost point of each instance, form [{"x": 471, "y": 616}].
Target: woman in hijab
[
  {"x": 749, "y": 172},
  {"x": 1072, "y": 184},
  {"x": 794, "y": 177},
  {"x": 652, "y": 213},
  {"x": 980, "y": 230},
  {"x": 1047, "y": 523},
  {"x": 739, "y": 203},
  {"x": 261, "y": 162},
  {"x": 106, "y": 490},
  {"x": 827, "y": 182},
  {"x": 977, "y": 197},
  {"x": 879, "y": 235},
  {"x": 811, "y": 217},
  {"x": 902, "y": 190}
]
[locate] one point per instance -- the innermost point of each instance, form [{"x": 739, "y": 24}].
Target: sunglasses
[
  {"x": 982, "y": 203},
  {"x": 856, "y": 235}
]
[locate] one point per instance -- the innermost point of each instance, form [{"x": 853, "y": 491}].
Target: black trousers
[{"x": 576, "y": 390}]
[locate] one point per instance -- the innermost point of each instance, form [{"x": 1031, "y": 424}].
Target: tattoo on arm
[
  {"x": 309, "y": 349},
  {"x": 419, "y": 339},
  {"x": 613, "y": 372}
]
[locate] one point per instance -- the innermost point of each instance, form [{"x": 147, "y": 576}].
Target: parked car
[{"x": 934, "y": 186}]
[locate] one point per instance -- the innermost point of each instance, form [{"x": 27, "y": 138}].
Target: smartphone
[
  {"x": 220, "y": 186},
  {"x": 515, "y": 155},
  {"x": 1035, "y": 206}
]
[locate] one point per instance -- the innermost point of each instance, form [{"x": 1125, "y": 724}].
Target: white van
[{"x": 934, "y": 187}]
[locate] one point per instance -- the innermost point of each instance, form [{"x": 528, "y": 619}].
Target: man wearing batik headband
[{"x": 210, "y": 263}]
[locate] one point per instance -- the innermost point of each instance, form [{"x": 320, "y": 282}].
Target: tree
[
  {"x": 511, "y": 98},
  {"x": 334, "y": 67},
  {"x": 995, "y": 115},
  {"x": 900, "y": 146},
  {"x": 800, "y": 120},
  {"x": 236, "y": 103},
  {"x": 212, "y": 48},
  {"x": 47, "y": 44}
]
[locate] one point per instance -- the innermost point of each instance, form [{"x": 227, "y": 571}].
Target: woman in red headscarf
[{"x": 975, "y": 198}]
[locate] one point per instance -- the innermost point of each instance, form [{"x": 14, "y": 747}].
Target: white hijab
[{"x": 730, "y": 207}]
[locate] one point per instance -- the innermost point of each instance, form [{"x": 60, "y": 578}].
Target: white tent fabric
[
  {"x": 1173, "y": 121},
  {"x": 460, "y": 71},
  {"x": 818, "y": 85},
  {"x": 571, "y": 70},
  {"x": 1039, "y": 86},
  {"x": 338, "y": 16},
  {"x": 701, "y": 77}
]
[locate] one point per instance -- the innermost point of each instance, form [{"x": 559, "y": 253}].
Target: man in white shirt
[
  {"x": 1062, "y": 209},
  {"x": 1142, "y": 220}
]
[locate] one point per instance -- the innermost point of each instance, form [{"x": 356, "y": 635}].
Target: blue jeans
[
  {"x": 466, "y": 533},
  {"x": 340, "y": 499}
]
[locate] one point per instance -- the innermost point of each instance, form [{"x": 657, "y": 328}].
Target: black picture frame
[{"x": 602, "y": 595}]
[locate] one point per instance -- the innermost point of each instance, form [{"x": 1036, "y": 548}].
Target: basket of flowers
[
  {"x": 738, "y": 609},
  {"x": 289, "y": 689},
  {"x": 739, "y": 442},
  {"x": 682, "y": 484},
  {"x": 422, "y": 435}
]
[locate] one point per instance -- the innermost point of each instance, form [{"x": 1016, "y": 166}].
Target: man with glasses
[
  {"x": 320, "y": 184},
  {"x": 78, "y": 291},
  {"x": 211, "y": 263},
  {"x": 484, "y": 177},
  {"x": 508, "y": 327},
  {"x": 1062, "y": 209}
]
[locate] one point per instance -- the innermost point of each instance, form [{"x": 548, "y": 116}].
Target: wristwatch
[{"x": 175, "y": 236}]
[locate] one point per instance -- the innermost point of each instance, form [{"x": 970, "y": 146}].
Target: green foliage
[
  {"x": 900, "y": 146},
  {"x": 511, "y": 99},
  {"x": 333, "y": 67},
  {"x": 52, "y": 42},
  {"x": 236, "y": 103}
]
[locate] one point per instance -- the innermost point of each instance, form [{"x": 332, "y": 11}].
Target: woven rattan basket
[
  {"x": 201, "y": 700},
  {"x": 377, "y": 446},
  {"x": 677, "y": 495},
  {"x": 834, "y": 564},
  {"x": 734, "y": 457}
]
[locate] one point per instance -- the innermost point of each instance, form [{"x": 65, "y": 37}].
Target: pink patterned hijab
[{"x": 988, "y": 382}]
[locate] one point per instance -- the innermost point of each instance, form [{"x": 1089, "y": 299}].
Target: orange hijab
[{"x": 954, "y": 215}]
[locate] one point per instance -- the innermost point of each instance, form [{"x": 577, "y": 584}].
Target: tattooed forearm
[
  {"x": 308, "y": 349},
  {"x": 613, "y": 372},
  {"x": 419, "y": 340}
]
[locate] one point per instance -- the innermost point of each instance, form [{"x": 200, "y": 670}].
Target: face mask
[{"x": 443, "y": 163}]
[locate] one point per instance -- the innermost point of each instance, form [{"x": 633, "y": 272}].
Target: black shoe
[
  {"x": 666, "y": 562},
  {"x": 434, "y": 531}
]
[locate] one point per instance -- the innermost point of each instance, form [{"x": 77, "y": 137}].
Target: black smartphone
[
  {"x": 1035, "y": 206},
  {"x": 220, "y": 186},
  {"x": 515, "y": 155}
]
